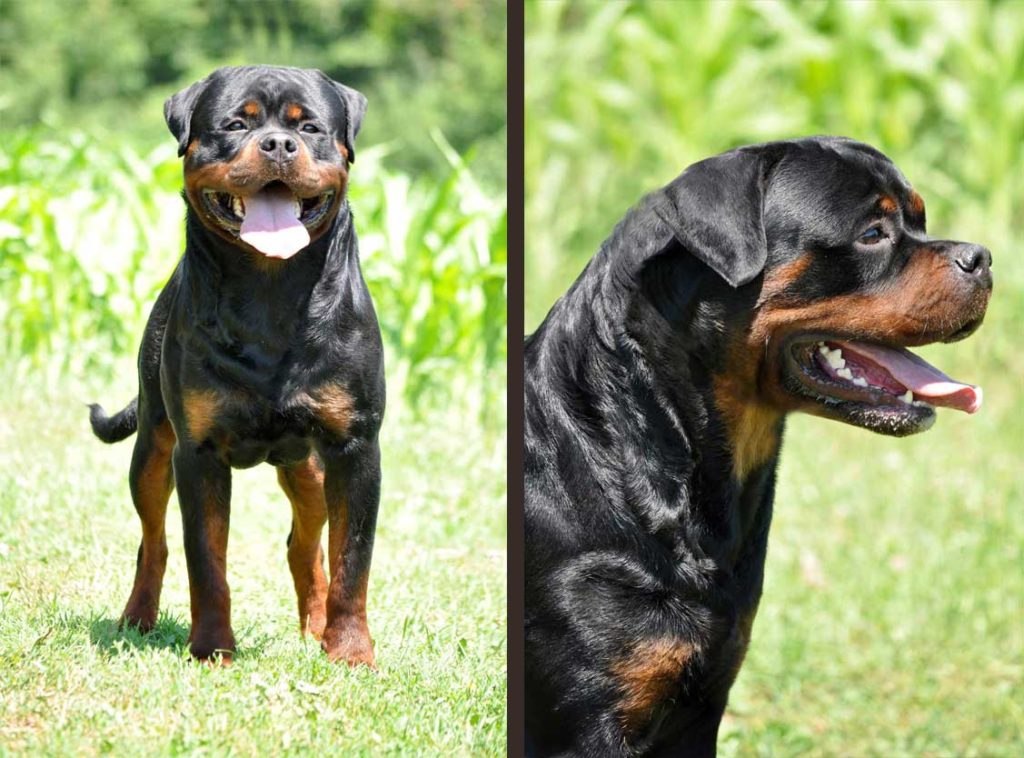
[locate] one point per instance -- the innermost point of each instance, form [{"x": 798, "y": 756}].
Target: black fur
[
  {"x": 120, "y": 426},
  {"x": 645, "y": 536},
  {"x": 247, "y": 359}
]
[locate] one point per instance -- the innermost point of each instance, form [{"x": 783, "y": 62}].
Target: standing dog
[
  {"x": 263, "y": 347},
  {"x": 789, "y": 276}
]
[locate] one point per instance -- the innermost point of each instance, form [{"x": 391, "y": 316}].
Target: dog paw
[
  {"x": 140, "y": 616},
  {"x": 213, "y": 647},
  {"x": 350, "y": 645},
  {"x": 314, "y": 624}
]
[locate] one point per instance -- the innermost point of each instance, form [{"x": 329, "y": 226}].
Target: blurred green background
[
  {"x": 91, "y": 225},
  {"x": 892, "y": 619}
]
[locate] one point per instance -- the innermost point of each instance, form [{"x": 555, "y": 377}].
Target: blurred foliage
[
  {"x": 107, "y": 65},
  {"x": 90, "y": 232},
  {"x": 620, "y": 97}
]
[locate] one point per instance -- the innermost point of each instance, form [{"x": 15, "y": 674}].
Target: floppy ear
[
  {"x": 715, "y": 210},
  {"x": 178, "y": 112},
  {"x": 355, "y": 109}
]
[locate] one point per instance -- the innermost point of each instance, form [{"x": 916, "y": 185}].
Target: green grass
[{"x": 71, "y": 683}]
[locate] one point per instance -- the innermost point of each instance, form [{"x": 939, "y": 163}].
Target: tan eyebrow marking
[
  {"x": 294, "y": 112},
  {"x": 887, "y": 204},
  {"x": 251, "y": 108}
]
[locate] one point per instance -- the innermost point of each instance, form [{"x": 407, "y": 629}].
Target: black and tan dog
[
  {"x": 789, "y": 276},
  {"x": 263, "y": 347}
]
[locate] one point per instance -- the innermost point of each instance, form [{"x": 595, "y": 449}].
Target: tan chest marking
[
  {"x": 334, "y": 406},
  {"x": 201, "y": 409},
  {"x": 648, "y": 675}
]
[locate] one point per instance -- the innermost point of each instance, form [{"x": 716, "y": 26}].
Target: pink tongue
[
  {"x": 919, "y": 376},
  {"x": 270, "y": 225}
]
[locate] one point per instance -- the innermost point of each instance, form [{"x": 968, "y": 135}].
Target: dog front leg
[
  {"x": 352, "y": 489},
  {"x": 204, "y": 492}
]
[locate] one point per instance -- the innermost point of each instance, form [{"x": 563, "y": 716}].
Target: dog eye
[
  {"x": 235, "y": 126},
  {"x": 872, "y": 236},
  {"x": 310, "y": 128}
]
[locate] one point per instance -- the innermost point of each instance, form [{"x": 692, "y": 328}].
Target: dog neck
[
  {"x": 238, "y": 299},
  {"x": 643, "y": 365}
]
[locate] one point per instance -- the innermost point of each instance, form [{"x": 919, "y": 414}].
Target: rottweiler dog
[
  {"x": 787, "y": 276},
  {"x": 263, "y": 347}
]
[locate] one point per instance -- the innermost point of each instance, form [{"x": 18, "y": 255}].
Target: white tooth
[
  {"x": 298, "y": 208},
  {"x": 908, "y": 397},
  {"x": 823, "y": 349},
  {"x": 845, "y": 373},
  {"x": 237, "y": 207},
  {"x": 861, "y": 381},
  {"x": 835, "y": 359}
]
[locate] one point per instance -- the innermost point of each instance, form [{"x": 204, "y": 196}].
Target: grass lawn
[
  {"x": 71, "y": 683},
  {"x": 892, "y": 622}
]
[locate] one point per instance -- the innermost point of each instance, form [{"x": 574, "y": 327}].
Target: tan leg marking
[{"x": 303, "y": 483}]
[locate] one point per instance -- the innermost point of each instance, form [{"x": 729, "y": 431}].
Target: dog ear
[
  {"x": 715, "y": 210},
  {"x": 355, "y": 108},
  {"x": 178, "y": 111}
]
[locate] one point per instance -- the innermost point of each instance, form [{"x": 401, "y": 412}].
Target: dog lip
[
  {"x": 313, "y": 209},
  {"x": 881, "y": 384},
  {"x": 819, "y": 386},
  {"x": 874, "y": 410},
  {"x": 222, "y": 212},
  {"x": 964, "y": 331}
]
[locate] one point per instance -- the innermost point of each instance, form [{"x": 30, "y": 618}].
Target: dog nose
[
  {"x": 279, "y": 147},
  {"x": 971, "y": 258},
  {"x": 975, "y": 261}
]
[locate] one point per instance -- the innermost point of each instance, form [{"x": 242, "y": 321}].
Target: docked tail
[{"x": 117, "y": 427}]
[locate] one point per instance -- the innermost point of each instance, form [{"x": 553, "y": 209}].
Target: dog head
[
  {"x": 267, "y": 151},
  {"x": 826, "y": 277}
]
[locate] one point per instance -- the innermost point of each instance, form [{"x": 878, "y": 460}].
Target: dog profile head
[{"x": 824, "y": 273}]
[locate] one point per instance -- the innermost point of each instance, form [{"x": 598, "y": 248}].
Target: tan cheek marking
[
  {"x": 228, "y": 176},
  {"x": 201, "y": 408},
  {"x": 916, "y": 203},
  {"x": 334, "y": 407},
  {"x": 920, "y": 300},
  {"x": 251, "y": 108},
  {"x": 778, "y": 281},
  {"x": 751, "y": 425},
  {"x": 646, "y": 676},
  {"x": 342, "y": 149}
]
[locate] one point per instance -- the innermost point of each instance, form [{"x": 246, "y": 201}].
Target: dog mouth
[
  {"x": 275, "y": 221},
  {"x": 883, "y": 388}
]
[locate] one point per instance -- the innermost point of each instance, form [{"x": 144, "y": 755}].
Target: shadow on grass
[{"x": 108, "y": 635}]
